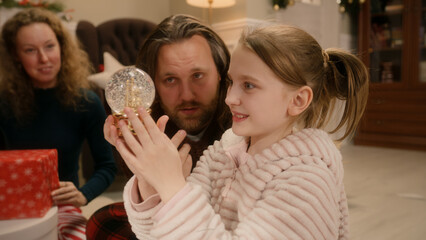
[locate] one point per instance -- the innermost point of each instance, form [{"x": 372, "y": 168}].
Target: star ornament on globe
[{"x": 129, "y": 87}]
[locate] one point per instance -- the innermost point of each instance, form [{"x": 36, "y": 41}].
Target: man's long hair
[{"x": 175, "y": 29}]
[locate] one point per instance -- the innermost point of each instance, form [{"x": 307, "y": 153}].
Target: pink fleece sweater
[{"x": 292, "y": 190}]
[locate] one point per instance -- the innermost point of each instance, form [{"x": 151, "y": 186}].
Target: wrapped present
[{"x": 27, "y": 178}]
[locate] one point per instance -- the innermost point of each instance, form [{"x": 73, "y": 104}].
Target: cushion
[{"x": 111, "y": 65}]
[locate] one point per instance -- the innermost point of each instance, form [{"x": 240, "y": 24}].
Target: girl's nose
[{"x": 232, "y": 97}]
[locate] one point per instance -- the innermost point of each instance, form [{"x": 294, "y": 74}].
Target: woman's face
[{"x": 39, "y": 53}]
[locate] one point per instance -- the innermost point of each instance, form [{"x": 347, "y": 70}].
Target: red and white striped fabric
[{"x": 71, "y": 223}]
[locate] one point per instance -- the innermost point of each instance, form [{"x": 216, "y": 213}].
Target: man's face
[{"x": 187, "y": 83}]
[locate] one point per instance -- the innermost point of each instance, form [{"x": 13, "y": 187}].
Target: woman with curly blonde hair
[{"x": 46, "y": 103}]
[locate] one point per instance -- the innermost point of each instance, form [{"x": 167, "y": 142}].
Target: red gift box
[{"x": 27, "y": 178}]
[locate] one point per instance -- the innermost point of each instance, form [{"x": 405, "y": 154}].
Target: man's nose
[{"x": 187, "y": 92}]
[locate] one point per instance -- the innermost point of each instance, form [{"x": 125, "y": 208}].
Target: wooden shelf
[
  {"x": 386, "y": 14},
  {"x": 396, "y": 111}
]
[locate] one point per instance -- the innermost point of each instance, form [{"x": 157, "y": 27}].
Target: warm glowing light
[{"x": 211, "y": 3}]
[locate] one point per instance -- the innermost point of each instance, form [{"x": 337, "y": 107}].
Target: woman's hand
[
  {"x": 151, "y": 155},
  {"x": 67, "y": 193}
]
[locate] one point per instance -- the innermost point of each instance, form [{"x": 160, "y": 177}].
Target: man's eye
[
  {"x": 198, "y": 75},
  {"x": 170, "y": 80}
]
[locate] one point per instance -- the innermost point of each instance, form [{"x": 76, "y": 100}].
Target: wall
[
  {"x": 100, "y": 11},
  {"x": 256, "y": 9},
  {"x": 329, "y": 27},
  {"x": 323, "y": 21},
  {"x": 218, "y": 15}
]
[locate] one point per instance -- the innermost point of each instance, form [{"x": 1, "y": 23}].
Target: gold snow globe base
[{"x": 122, "y": 116}]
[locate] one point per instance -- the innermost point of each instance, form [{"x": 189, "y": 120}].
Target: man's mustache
[{"x": 191, "y": 104}]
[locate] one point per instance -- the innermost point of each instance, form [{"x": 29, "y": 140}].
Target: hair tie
[{"x": 325, "y": 57}]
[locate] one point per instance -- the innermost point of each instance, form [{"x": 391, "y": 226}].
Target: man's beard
[{"x": 192, "y": 124}]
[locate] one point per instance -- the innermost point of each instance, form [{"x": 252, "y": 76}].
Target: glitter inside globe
[{"x": 129, "y": 87}]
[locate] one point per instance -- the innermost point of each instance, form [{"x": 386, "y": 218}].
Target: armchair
[{"x": 121, "y": 38}]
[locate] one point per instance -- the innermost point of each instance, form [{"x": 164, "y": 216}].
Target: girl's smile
[
  {"x": 238, "y": 117},
  {"x": 258, "y": 99}
]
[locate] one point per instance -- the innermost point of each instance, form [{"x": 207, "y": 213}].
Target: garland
[
  {"x": 54, "y": 7},
  {"x": 351, "y": 7}
]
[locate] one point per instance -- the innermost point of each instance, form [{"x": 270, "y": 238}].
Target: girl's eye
[
  {"x": 229, "y": 82},
  {"x": 248, "y": 85},
  {"x": 51, "y": 45}
]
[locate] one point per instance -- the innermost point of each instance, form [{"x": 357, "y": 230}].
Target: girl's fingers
[
  {"x": 107, "y": 128},
  {"x": 184, "y": 151},
  {"x": 113, "y": 135},
  {"x": 133, "y": 144},
  {"x": 161, "y": 122},
  {"x": 150, "y": 125},
  {"x": 127, "y": 156},
  {"x": 186, "y": 159},
  {"x": 138, "y": 127},
  {"x": 187, "y": 166},
  {"x": 178, "y": 138}
]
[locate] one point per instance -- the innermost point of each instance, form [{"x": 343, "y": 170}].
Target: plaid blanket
[{"x": 109, "y": 223}]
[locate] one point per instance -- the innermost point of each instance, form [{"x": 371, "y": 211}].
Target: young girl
[{"x": 276, "y": 174}]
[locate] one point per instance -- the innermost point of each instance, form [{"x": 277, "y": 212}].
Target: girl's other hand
[
  {"x": 110, "y": 131},
  {"x": 151, "y": 155}
]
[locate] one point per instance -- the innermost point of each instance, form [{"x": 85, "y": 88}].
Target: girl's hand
[
  {"x": 110, "y": 131},
  {"x": 186, "y": 159},
  {"x": 67, "y": 193},
  {"x": 145, "y": 189},
  {"x": 151, "y": 155}
]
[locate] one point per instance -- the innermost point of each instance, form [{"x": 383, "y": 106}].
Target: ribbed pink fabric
[{"x": 293, "y": 190}]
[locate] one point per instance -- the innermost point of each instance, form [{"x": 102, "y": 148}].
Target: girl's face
[
  {"x": 39, "y": 52},
  {"x": 258, "y": 99}
]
